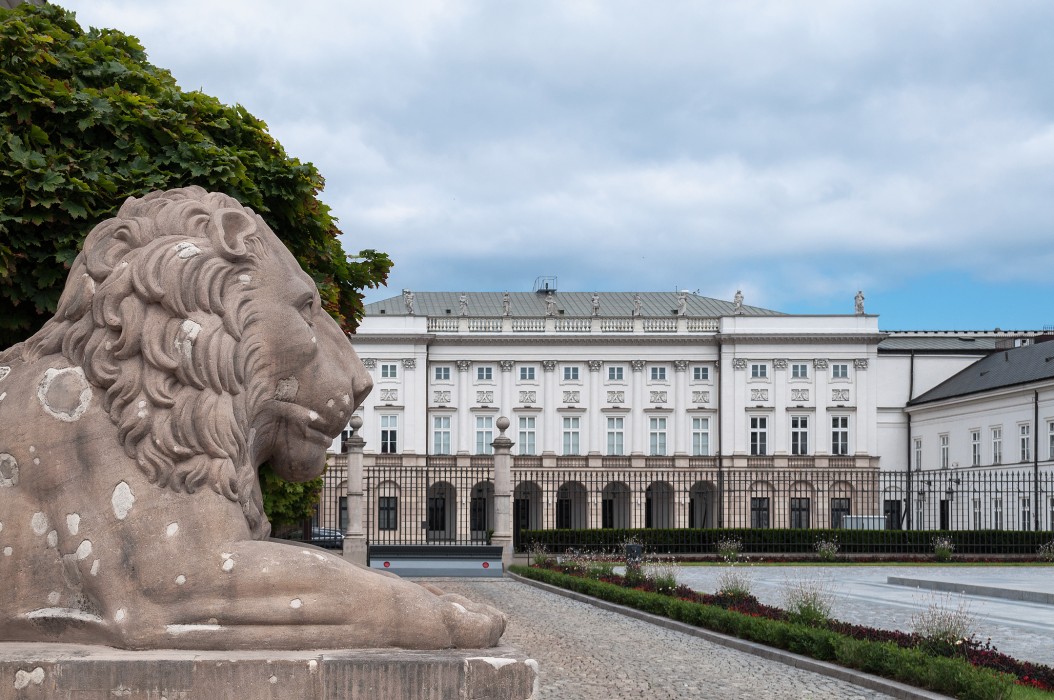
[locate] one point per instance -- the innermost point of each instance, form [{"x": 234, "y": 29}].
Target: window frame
[
  {"x": 484, "y": 373},
  {"x": 840, "y": 435},
  {"x": 616, "y": 373},
  {"x": 389, "y": 426},
  {"x": 840, "y": 370},
  {"x": 759, "y": 370},
  {"x": 700, "y": 436},
  {"x": 657, "y": 373},
  {"x": 571, "y": 437},
  {"x": 571, "y": 373},
  {"x": 441, "y": 374},
  {"x": 657, "y": 436},
  {"x": 799, "y": 435},
  {"x": 700, "y": 373},
  {"x": 441, "y": 435},
  {"x": 759, "y": 435},
  {"x": 389, "y": 370},
  {"x": 799, "y": 370},
  {"x": 484, "y": 435},
  {"x": 527, "y": 427},
  {"x": 616, "y": 436},
  {"x": 527, "y": 373},
  {"x": 387, "y": 513}
]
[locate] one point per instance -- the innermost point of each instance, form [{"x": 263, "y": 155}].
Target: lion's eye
[{"x": 307, "y": 310}]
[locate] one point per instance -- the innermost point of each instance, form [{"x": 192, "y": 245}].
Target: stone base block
[{"x": 79, "y": 672}]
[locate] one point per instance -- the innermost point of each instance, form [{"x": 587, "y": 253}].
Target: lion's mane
[{"x": 158, "y": 312}]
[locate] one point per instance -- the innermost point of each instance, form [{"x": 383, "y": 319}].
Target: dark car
[{"x": 327, "y": 537}]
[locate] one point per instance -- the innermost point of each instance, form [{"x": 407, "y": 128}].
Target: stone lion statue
[{"x": 187, "y": 349}]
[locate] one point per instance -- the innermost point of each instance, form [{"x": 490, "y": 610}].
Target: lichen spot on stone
[
  {"x": 459, "y": 607},
  {"x": 245, "y": 279},
  {"x": 73, "y": 523},
  {"x": 4, "y": 371},
  {"x": 39, "y": 523},
  {"x": 94, "y": 568},
  {"x": 53, "y": 598},
  {"x": 120, "y": 615},
  {"x": 330, "y": 403},
  {"x": 346, "y": 399},
  {"x": 8, "y": 551},
  {"x": 172, "y": 529},
  {"x": 186, "y": 250},
  {"x": 3, "y": 396},
  {"x": 64, "y": 393},
  {"x": 122, "y": 500},
  {"x": 53, "y": 539},
  {"x": 312, "y": 415},
  {"x": 24, "y": 678},
  {"x": 32, "y": 449},
  {"x": 1, "y": 527},
  {"x": 295, "y": 603},
  {"x": 286, "y": 390},
  {"x": 8, "y": 471},
  {"x": 273, "y": 679},
  {"x": 228, "y": 563},
  {"x": 180, "y": 580},
  {"x": 36, "y": 460},
  {"x": 84, "y": 550},
  {"x": 312, "y": 665}
]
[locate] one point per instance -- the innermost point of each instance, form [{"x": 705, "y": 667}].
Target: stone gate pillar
[
  {"x": 355, "y": 536},
  {"x": 503, "y": 492}
]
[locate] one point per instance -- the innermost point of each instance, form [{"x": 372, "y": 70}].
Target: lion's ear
[{"x": 228, "y": 229}]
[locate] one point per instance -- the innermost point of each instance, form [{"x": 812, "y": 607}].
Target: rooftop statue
[{"x": 188, "y": 349}]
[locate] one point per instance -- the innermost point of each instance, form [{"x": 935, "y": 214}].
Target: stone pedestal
[{"x": 79, "y": 672}]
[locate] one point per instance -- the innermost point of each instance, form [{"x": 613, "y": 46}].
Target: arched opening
[
  {"x": 442, "y": 512},
  {"x": 571, "y": 501},
  {"x": 526, "y": 509},
  {"x": 658, "y": 505},
  {"x": 702, "y": 505},
  {"x": 615, "y": 506},
  {"x": 481, "y": 510}
]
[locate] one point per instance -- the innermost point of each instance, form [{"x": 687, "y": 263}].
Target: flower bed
[{"x": 965, "y": 668}]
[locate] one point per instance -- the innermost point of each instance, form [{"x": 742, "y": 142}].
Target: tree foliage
[{"x": 86, "y": 121}]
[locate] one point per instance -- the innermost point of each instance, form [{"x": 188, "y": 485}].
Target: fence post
[
  {"x": 503, "y": 492},
  {"x": 355, "y": 537}
]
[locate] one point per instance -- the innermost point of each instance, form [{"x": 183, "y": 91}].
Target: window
[
  {"x": 441, "y": 435},
  {"x": 759, "y": 435},
  {"x": 484, "y": 374},
  {"x": 840, "y": 509},
  {"x": 1025, "y": 441},
  {"x": 976, "y": 513},
  {"x": 570, "y": 374},
  {"x": 997, "y": 513},
  {"x": 800, "y": 508},
  {"x": 1050, "y": 439},
  {"x": 839, "y": 435},
  {"x": 658, "y": 374},
  {"x": 387, "y": 512},
  {"x": 759, "y": 512},
  {"x": 701, "y": 437},
  {"x": 616, "y": 435},
  {"x": 759, "y": 371},
  {"x": 484, "y": 435},
  {"x": 701, "y": 374},
  {"x": 799, "y": 370},
  {"x": 799, "y": 435},
  {"x": 572, "y": 428},
  {"x": 1026, "y": 513},
  {"x": 839, "y": 371},
  {"x": 389, "y": 371},
  {"x": 657, "y": 436},
  {"x": 442, "y": 374},
  {"x": 975, "y": 448},
  {"x": 942, "y": 440},
  {"x": 918, "y": 454},
  {"x": 527, "y": 435},
  {"x": 615, "y": 374},
  {"x": 997, "y": 445},
  {"x": 389, "y": 434},
  {"x": 526, "y": 374}
]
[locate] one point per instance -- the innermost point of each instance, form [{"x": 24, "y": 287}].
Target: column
[
  {"x": 594, "y": 416},
  {"x": 506, "y": 398},
  {"x": 502, "y": 536},
  {"x": 355, "y": 536},
  {"x": 411, "y": 438},
  {"x": 464, "y": 403},
  {"x": 638, "y": 431},
  {"x": 678, "y": 440},
  {"x": 550, "y": 437}
]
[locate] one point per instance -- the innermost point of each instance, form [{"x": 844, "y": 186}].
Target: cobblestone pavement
[
  {"x": 590, "y": 654},
  {"x": 861, "y": 595}
]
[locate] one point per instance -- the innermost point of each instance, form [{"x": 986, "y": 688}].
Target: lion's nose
[{"x": 361, "y": 382}]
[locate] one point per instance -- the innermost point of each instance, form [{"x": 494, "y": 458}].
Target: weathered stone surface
[
  {"x": 188, "y": 348},
  {"x": 75, "y": 672}
]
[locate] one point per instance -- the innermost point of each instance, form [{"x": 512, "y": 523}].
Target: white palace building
[{"x": 666, "y": 409}]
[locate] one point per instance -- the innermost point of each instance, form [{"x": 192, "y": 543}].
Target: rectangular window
[
  {"x": 839, "y": 435},
  {"x": 441, "y": 435},
  {"x": 997, "y": 513},
  {"x": 616, "y": 435},
  {"x": 526, "y": 374},
  {"x": 977, "y": 514},
  {"x": 800, "y": 508},
  {"x": 484, "y": 374},
  {"x": 615, "y": 374},
  {"x": 799, "y": 370},
  {"x": 388, "y": 512},
  {"x": 701, "y": 374},
  {"x": 657, "y": 436},
  {"x": 527, "y": 435},
  {"x": 389, "y": 434},
  {"x": 759, "y": 371},
  {"x": 840, "y": 508},
  {"x": 701, "y": 437},
  {"x": 997, "y": 445},
  {"x": 918, "y": 454},
  {"x": 1026, "y": 513},
  {"x": 389, "y": 371},
  {"x": 975, "y": 448},
  {"x": 942, "y": 441},
  {"x": 442, "y": 374},
  {"x": 839, "y": 371},
  {"x": 484, "y": 435},
  {"x": 570, "y": 374},
  {"x": 1050, "y": 439},
  {"x": 572, "y": 435},
  {"x": 759, "y": 435},
  {"x": 658, "y": 374},
  {"x": 759, "y": 512},
  {"x": 799, "y": 435},
  {"x": 1025, "y": 441}
]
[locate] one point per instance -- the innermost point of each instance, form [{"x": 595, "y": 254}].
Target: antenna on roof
[{"x": 545, "y": 284}]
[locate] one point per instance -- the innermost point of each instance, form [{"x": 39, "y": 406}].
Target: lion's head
[{"x": 209, "y": 343}]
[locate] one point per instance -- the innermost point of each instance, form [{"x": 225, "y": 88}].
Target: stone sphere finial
[
  {"x": 503, "y": 424},
  {"x": 355, "y": 422}
]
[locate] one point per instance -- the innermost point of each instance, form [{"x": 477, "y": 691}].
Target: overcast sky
[{"x": 798, "y": 151}]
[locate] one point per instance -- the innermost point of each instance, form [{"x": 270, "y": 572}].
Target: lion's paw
[{"x": 473, "y": 625}]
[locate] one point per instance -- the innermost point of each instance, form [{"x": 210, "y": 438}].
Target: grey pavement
[
  {"x": 586, "y": 653},
  {"x": 862, "y": 595}
]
